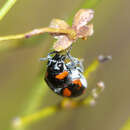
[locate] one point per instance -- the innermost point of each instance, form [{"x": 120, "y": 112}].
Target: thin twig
[
  {"x": 64, "y": 104},
  {"x": 91, "y": 68},
  {"x": 70, "y": 32},
  {"x": 5, "y": 9},
  {"x": 18, "y": 122},
  {"x": 95, "y": 64},
  {"x": 126, "y": 125}
]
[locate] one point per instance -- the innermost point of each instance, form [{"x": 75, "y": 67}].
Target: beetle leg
[
  {"x": 75, "y": 62},
  {"x": 48, "y": 56}
]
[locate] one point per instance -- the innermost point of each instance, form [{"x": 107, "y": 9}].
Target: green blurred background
[{"x": 19, "y": 67}]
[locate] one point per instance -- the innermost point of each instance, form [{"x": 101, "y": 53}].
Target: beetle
[{"x": 65, "y": 78}]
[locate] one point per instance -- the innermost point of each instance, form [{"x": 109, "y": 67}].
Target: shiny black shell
[{"x": 63, "y": 79}]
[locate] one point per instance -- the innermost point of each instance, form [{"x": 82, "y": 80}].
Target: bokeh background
[{"x": 19, "y": 67}]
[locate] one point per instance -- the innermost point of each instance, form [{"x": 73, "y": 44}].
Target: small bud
[
  {"x": 94, "y": 93},
  {"x": 102, "y": 58},
  {"x": 67, "y": 103},
  {"x": 92, "y": 102},
  {"x": 101, "y": 85},
  {"x": 16, "y": 122}
]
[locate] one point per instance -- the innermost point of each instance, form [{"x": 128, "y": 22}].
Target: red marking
[
  {"x": 77, "y": 82},
  {"x": 66, "y": 92},
  {"x": 62, "y": 75}
]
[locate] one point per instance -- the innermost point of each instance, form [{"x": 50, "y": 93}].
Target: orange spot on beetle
[
  {"x": 77, "y": 82},
  {"x": 66, "y": 92},
  {"x": 62, "y": 75}
]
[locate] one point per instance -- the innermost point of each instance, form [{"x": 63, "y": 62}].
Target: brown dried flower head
[{"x": 79, "y": 27}]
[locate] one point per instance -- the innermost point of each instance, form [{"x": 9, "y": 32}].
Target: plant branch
[
  {"x": 91, "y": 68},
  {"x": 5, "y": 9},
  {"x": 95, "y": 64},
  {"x": 126, "y": 125},
  {"x": 70, "y": 32},
  {"x": 64, "y": 104}
]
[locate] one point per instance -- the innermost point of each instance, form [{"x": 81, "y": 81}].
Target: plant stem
[
  {"x": 126, "y": 125},
  {"x": 64, "y": 104},
  {"x": 5, "y": 9},
  {"x": 91, "y": 68},
  {"x": 35, "y": 32}
]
